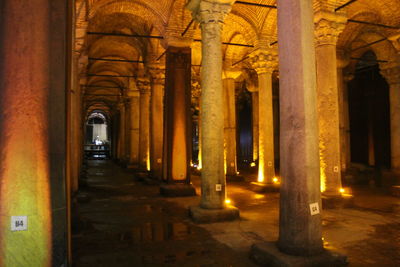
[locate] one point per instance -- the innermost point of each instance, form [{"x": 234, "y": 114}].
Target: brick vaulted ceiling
[{"x": 246, "y": 24}]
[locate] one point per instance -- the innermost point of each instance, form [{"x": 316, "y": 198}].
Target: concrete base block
[
  {"x": 234, "y": 178},
  {"x": 395, "y": 190},
  {"x": 262, "y": 187},
  {"x": 200, "y": 215},
  {"x": 177, "y": 190},
  {"x": 268, "y": 254},
  {"x": 335, "y": 202}
]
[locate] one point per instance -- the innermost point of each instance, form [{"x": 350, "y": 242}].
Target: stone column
[
  {"x": 254, "y": 119},
  {"x": 229, "y": 104},
  {"x": 121, "y": 132},
  {"x": 392, "y": 75},
  {"x": 33, "y": 49},
  {"x": 127, "y": 130},
  {"x": 144, "y": 129},
  {"x": 134, "y": 102},
  {"x": 210, "y": 15},
  {"x": 177, "y": 122},
  {"x": 343, "y": 61},
  {"x": 300, "y": 199},
  {"x": 157, "y": 120},
  {"x": 328, "y": 25},
  {"x": 264, "y": 61}
]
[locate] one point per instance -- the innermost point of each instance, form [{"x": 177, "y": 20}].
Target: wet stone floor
[{"x": 120, "y": 221}]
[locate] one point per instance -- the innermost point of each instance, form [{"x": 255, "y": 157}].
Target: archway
[
  {"x": 97, "y": 136},
  {"x": 369, "y": 113}
]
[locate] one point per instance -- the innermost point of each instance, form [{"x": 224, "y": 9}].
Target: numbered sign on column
[
  {"x": 19, "y": 223},
  {"x": 314, "y": 208}
]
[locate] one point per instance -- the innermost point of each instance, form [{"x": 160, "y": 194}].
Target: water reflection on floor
[{"x": 126, "y": 223}]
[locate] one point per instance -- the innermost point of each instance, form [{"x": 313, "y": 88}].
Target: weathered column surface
[
  {"x": 134, "y": 101},
  {"x": 264, "y": 61},
  {"x": 254, "y": 119},
  {"x": 177, "y": 123},
  {"x": 229, "y": 104},
  {"x": 121, "y": 131},
  {"x": 344, "y": 121},
  {"x": 211, "y": 14},
  {"x": 328, "y": 25},
  {"x": 300, "y": 223},
  {"x": 32, "y": 127},
  {"x": 392, "y": 76},
  {"x": 144, "y": 129},
  {"x": 157, "y": 120}
]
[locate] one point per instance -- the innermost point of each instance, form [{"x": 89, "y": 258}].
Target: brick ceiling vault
[{"x": 130, "y": 23}]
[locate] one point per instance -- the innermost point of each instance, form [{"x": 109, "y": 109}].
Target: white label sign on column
[
  {"x": 314, "y": 208},
  {"x": 19, "y": 223}
]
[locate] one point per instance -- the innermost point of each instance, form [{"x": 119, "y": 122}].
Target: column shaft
[
  {"x": 157, "y": 120},
  {"x": 395, "y": 126},
  {"x": 230, "y": 126},
  {"x": 144, "y": 129},
  {"x": 121, "y": 133},
  {"x": 134, "y": 131},
  {"x": 177, "y": 131},
  {"x": 344, "y": 121},
  {"x": 32, "y": 126},
  {"x": 266, "y": 162},
  {"x": 299, "y": 230},
  {"x": 328, "y": 115},
  {"x": 212, "y": 118},
  {"x": 254, "y": 106}
]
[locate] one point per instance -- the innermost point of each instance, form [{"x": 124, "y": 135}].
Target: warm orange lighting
[
  {"x": 341, "y": 190},
  {"x": 199, "y": 167},
  {"x": 228, "y": 201},
  {"x": 260, "y": 177},
  {"x": 237, "y": 173},
  {"x": 253, "y": 164},
  {"x": 275, "y": 180}
]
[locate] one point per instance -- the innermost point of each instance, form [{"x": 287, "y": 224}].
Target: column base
[
  {"x": 337, "y": 201},
  {"x": 268, "y": 254},
  {"x": 200, "y": 215},
  {"x": 395, "y": 190},
  {"x": 142, "y": 175},
  {"x": 177, "y": 190},
  {"x": 263, "y": 187},
  {"x": 132, "y": 166},
  {"x": 234, "y": 178}
]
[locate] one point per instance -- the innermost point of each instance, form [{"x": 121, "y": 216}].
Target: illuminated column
[
  {"x": 299, "y": 226},
  {"x": 134, "y": 102},
  {"x": 212, "y": 207},
  {"x": 328, "y": 25},
  {"x": 143, "y": 85},
  {"x": 157, "y": 113},
  {"x": 343, "y": 61},
  {"x": 121, "y": 131},
  {"x": 32, "y": 144},
  {"x": 254, "y": 121},
  {"x": 229, "y": 104},
  {"x": 264, "y": 61},
  {"x": 177, "y": 121},
  {"x": 392, "y": 75}
]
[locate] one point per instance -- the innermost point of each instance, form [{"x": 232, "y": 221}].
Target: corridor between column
[{"x": 119, "y": 221}]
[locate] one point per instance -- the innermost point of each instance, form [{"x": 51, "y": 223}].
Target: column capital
[
  {"x": 143, "y": 85},
  {"x": 157, "y": 73},
  {"x": 264, "y": 60},
  {"x": 391, "y": 74},
  {"x": 327, "y": 27},
  {"x": 196, "y": 89},
  {"x": 209, "y": 11},
  {"x": 132, "y": 93},
  {"x": 172, "y": 37}
]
